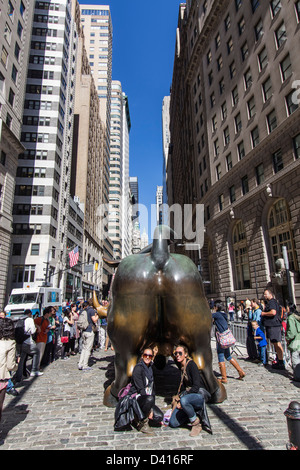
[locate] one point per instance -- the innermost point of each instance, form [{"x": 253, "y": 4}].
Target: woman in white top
[{"x": 29, "y": 347}]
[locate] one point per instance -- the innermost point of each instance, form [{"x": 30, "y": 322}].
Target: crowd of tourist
[{"x": 79, "y": 330}]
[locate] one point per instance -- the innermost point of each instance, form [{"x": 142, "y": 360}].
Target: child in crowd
[{"x": 260, "y": 337}]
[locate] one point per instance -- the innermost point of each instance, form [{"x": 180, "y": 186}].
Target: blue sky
[{"x": 144, "y": 35}]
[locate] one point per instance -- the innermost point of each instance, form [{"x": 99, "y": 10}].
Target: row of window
[
  {"x": 278, "y": 165},
  {"x": 280, "y": 233}
]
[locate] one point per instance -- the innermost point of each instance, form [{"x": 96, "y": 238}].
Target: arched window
[
  {"x": 281, "y": 233},
  {"x": 241, "y": 260}
]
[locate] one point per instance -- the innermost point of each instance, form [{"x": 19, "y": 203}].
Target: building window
[
  {"x": 232, "y": 69},
  {"x": 224, "y": 111},
  {"x": 241, "y": 25},
  {"x": 275, "y": 7},
  {"x": 227, "y": 22},
  {"x": 260, "y": 175},
  {"x": 296, "y": 143},
  {"x": 35, "y": 249},
  {"x": 235, "y": 96},
  {"x": 17, "y": 249},
  {"x": 254, "y": 5},
  {"x": 216, "y": 147},
  {"x": 251, "y": 107},
  {"x": 226, "y": 136},
  {"x": 245, "y": 185},
  {"x": 258, "y": 30},
  {"x": 267, "y": 89},
  {"x": 232, "y": 196},
  {"x": 218, "y": 172},
  {"x": 241, "y": 260},
  {"x": 286, "y": 68},
  {"x": 241, "y": 150},
  {"x": 297, "y": 10},
  {"x": 291, "y": 105},
  {"x": 2, "y": 158},
  {"x": 4, "y": 56},
  {"x": 255, "y": 137},
  {"x": 221, "y": 202},
  {"x": 277, "y": 161},
  {"x": 11, "y": 97},
  {"x": 229, "y": 161},
  {"x": 248, "y": 79},
  {"x": 281, "y": 234},
  {"x": 244, "y": 51},
  {"x": 263, "y": 59},
  {"x": 238, "y": 123},
  {"x": 23, "y": 274},
  {"x": 229, "y": 45},
  {"x": 272, "y": 121},
  {"x": 280, "y": 35}
]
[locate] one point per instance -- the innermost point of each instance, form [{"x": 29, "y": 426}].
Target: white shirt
[{"x": 29, "y": 328}]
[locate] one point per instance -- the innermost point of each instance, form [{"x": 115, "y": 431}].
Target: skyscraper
[
  {"x": 15, "y": 24},
  {"x": 46, "y": 223},
  {"x": 119, "y": 171},
  {"x": 98, "y": 32},
  {"x": 235, "y": 140}
]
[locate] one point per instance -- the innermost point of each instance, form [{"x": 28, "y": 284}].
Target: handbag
[
  {"x": 64, "y": 339},
  {"x": 176, "y": 398},
  {"x": 225, "y": 339}
]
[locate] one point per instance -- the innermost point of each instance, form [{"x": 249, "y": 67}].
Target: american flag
[{"x": 74, "y": 256}]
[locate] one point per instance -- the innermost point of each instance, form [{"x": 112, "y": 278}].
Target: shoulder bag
[{"x": 225, "y": 339}]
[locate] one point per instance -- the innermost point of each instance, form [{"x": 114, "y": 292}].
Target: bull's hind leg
[
  {"x": 123, "y": 371},
  {"x": 203, "y": 359}
]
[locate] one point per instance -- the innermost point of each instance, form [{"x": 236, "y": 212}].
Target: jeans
[
  {"x": 32, "y": 350},
  {"x": 190, "y": 404},
  {"x": 87, "y": 345},
  {"x": 262, "y": 353},
  {"x": 223, "y": 354}
]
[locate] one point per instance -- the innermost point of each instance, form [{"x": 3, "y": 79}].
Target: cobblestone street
[{"x": 63, "y": 410}]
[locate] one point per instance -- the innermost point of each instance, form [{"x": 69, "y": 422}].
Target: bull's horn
[
  {"x": 113, "y": 263},
  {"x": 102, "y": 311}
]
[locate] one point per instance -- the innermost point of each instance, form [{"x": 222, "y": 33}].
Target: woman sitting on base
[
  {"x": 191, "y": 400},
  {"x": 143, "y": 385}
]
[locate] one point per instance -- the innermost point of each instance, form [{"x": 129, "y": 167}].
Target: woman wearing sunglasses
[
  {"x": 143, "y": 385},
  {"x": 191, "y": 400}
]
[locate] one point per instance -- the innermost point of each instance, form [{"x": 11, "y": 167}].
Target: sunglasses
[
  {"x": 147, "y": 355},
  {"x": 178, "y": 353}
]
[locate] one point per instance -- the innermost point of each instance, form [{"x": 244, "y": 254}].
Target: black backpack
[{"x": 20, "y": 335}]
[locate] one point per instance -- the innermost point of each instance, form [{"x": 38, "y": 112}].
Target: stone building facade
[{"x": 235, "y": 136}]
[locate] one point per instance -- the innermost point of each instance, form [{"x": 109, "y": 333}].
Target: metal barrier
[{"x": 240, "y": 332}]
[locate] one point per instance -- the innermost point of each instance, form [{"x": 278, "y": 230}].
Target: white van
[{"x": 34, "y": 299}]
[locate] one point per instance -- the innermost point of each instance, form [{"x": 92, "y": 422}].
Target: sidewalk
[{"x": 63, "y": 410}]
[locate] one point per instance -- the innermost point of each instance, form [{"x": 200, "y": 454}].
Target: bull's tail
[{"x": 160, "y": 246}]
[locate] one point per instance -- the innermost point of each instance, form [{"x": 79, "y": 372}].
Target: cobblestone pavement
[{"x": 63, "y": 410}]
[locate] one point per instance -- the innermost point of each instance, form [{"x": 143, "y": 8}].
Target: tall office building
[
  {"x": 15, "y": 24},
  {"x": 159, "y": 202},
  {"x": 126, "y": 200},
  {"x": 235, "y": 139},
  {"x": 87, "y": 169},
  {"x": 47, "y": 224},
  {"x": 98, "y": 32},
  {"x": 166, "y": 147},
  {"x": 119, "y": 172}
]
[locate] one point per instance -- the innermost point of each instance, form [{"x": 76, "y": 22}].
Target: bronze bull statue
[{"x": 158, "y": 299}]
